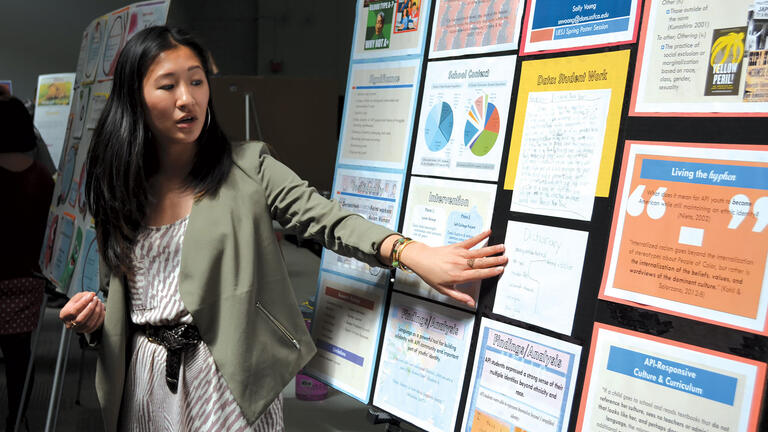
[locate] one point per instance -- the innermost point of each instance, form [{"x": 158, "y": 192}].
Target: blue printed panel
[
  {"x": 557, "y": 13},
  {"x": 750, "y": 177},
  {"x": 591, "y": 29},
  {"x": 677, "y": 376},
  {"x": 341, "y": 352}
]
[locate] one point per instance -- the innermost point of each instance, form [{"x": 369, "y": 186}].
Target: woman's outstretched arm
[{"x": 446, "y": 266}]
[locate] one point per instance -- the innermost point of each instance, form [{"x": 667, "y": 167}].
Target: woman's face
[
  {"x": 379, "y": 24},
  {"x": 176, "y": 96}
]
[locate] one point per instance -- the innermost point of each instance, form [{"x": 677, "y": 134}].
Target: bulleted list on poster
[
  {"x": 462, "y": 27},
  {"x": 423, "y": 356},
  {"x": 377, "y": 114},
  {"x": 689, "y": 232},
  {"x": 702, "y": 58},
  {"x": 555, "y": 25},
  {"x": 637, "y": 382},
  {"x": 375, "y": 196},
  {"x": 442, "y": 212},
  {"x": 464, "y": 112},
  {"x": 565, "y": 132},
  {"x": 521, "y": 381},
  {"x": 345, "y": 329}
]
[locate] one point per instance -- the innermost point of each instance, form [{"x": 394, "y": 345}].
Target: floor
[{"x": 337, "y": 413}]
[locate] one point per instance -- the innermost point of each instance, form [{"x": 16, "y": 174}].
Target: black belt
[{"x": 175, "y": 339}]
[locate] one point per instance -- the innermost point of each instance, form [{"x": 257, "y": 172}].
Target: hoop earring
[{"x": 208, "y": 118}]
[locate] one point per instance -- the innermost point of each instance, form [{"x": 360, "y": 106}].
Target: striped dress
[{"x": 203, "y": 401}]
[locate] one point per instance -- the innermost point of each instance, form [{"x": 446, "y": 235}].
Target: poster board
[
  {"x": 69, "y": 258},
  {"x": 558, "y": 193}
]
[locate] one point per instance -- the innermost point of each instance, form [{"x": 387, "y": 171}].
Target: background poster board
[
  {"x": 694, "y": 59},
  {"x": 521, "y": 380},
  {"x": 468, "y": 27},
  {"x": 689, "y": 232},
  {"x": 555, "y": 25},
  {"x": 640, "y": 380},
  {"x": 69, "y": 258},
  {"x": 52, "y": 106}
]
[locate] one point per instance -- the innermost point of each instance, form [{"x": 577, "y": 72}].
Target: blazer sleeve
[{"x": 299, "y": 208}]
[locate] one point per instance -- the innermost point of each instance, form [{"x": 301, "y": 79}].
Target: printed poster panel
[
  {"x": 565, "y": 133},
  {"x": 52, "y": 105},
  {"x": 390, "y": 28},
  {"x": 378, "y": 114},
  {"x": 470, "y": 27},
  {"x": 702, "y": 58},
  {"x": 556, "y": 25},
  {"x": 375, "y": 196},
  {"x": 62, "y": 243},
  {"x": 688, "y": 234},
  {"x": 86, "y": 277},
  {"x": 640, "y": 382},
  {"x": 540, "y": 284},
  {"x": 465, "y": 107},
  {"x": 147, "y": 14},
  {"x": 521, "y": 381},
  {"x": 423, "y": 358},
  {"x": 114, "y": 39},
  {"x": 442, "y": 212},
  {"x": 345, "y": 328},
  {"x": 95, "y": 35}
]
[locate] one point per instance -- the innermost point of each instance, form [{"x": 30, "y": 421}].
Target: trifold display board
[
  {"x": 69, "y": 257},
  {"x": 618, "y": 150}
]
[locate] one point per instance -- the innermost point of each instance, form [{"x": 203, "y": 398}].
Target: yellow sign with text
[{"x": 567, "y": 124}]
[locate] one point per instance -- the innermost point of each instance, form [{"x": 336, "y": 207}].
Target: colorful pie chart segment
[
  {"x": 439, "y": 126},
  {"x": 482, "y": 127}
]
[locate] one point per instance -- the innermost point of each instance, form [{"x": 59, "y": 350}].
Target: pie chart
[
  {"x": 439, "y": 125},
  {"x": 482, "y": 127}
]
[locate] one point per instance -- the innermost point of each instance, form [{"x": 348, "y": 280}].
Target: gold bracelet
[{"x": 402, "y": 266}]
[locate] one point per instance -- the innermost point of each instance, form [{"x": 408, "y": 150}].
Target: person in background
[
  {"x": 201, "y": 330},
  {"x": 26, "y": 187}
]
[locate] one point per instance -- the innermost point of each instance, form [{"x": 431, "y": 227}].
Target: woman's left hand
[{"x": 446, "y": 266}]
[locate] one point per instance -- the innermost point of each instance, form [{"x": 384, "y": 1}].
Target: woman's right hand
[{"x": 84, "y": 312}]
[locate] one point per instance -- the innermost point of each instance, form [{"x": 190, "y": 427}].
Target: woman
[
  {"x": 26, "y": 187},
  {"x": 195, "y": 277}
]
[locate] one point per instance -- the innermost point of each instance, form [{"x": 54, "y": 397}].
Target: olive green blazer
[{"x": 234, "y": 283}]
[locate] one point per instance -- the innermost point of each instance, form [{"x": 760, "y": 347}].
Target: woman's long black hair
[{"x": 123, "y": 157}]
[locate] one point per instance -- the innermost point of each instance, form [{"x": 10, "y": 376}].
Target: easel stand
[
  {"x": 378, "y": 417},
  {"x": 58, "y": 379}
]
